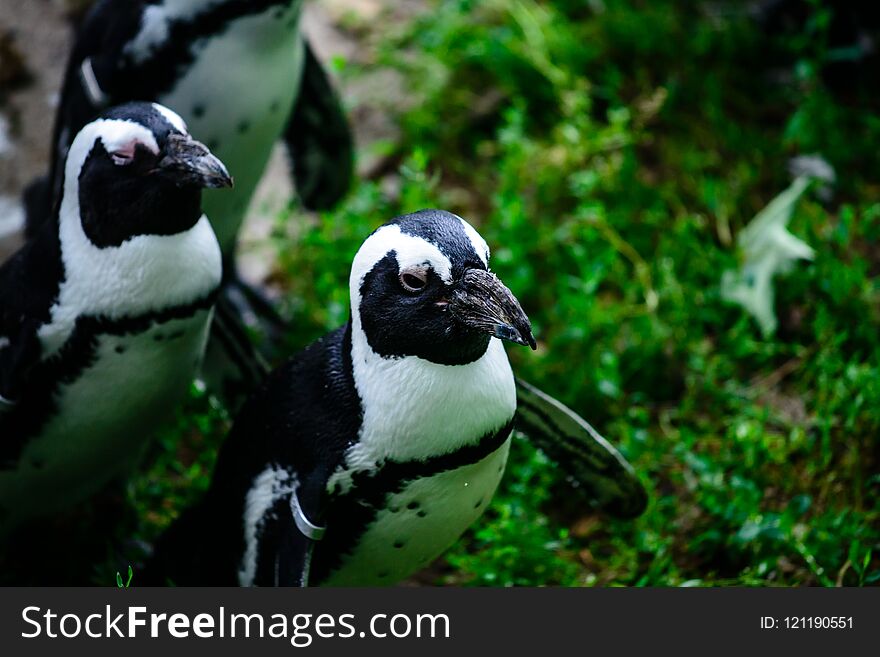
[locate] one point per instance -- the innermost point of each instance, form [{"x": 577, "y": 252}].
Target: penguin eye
[
  {"x": 124, "y": 156},
  {"x": 414, "y": 279},
  {"x": 121, "y": 159}
]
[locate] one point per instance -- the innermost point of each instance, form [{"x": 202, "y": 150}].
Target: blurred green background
[{"x": 611, "y": 152}]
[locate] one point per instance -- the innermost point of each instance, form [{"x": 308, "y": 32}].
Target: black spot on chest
[
  {"x": 38, "y": 404},
  {"x": 350, "y": 514},
  {"x": 186, "y": 40}
]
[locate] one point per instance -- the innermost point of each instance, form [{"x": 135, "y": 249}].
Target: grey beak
[
  {"x": 189, "y": 162},
  {"x": 483, "y": 302}
]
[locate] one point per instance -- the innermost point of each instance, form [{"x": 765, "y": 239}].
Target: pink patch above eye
[{"x": 125, "y": 153}]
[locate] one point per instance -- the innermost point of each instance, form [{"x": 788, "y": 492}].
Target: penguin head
[
  {"x": 136, "y": 171},
  {"x": 420, "y": 286}
]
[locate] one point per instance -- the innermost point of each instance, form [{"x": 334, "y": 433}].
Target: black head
[
  {"x": 421, "y": 286},
  {"x": 136, "y": 171}
]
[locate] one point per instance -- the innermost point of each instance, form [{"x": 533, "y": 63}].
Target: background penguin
[
  {"x": 370, "y": 453},
  {"x": 242, "y": 76},
  {"x": 104, "y": 312}
]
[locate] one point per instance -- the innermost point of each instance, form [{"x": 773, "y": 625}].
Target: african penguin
[
  {"x": 104, "y": 312},
  {"x": 243, "y": 78},
  {"x": 367, "y": 455}
]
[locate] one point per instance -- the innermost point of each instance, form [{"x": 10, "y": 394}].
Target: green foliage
[
  {"x": 611, "y": 152},
  {"x": 180, "y": 466}
]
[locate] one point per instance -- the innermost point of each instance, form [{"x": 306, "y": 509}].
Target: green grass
[{"x": 610, "y": 158}]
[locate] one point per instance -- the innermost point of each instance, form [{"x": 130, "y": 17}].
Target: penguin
[
  {"x": 104, "y": 313},
  {"x": 367, "y": 455},
  {"x": 243, "y": 77}
]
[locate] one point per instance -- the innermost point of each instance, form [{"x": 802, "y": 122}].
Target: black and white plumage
[
  {"x": 370, "y": 453},
  {"x": 239, "y": 73},
  {"x": 104, "y": 312},
  {"x": 242, "y": 76}
]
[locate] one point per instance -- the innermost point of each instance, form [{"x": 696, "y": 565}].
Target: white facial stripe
[
  {"x": 410, "y": 251},
  {"x": 119, "y": 135},
  {"x": 172, "y": 118},
  {"x": 115, "y": 134},
  {"x": 477, "y": 241},
  {"x": 156, "y": 20}
]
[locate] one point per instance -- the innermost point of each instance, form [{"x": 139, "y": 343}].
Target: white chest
[
  {"x": 421, "y": 522},
  {"x": 414, "y": 409},
  {"x": 147, "y": 273},
  {"x": 237, "y": 98},
  {"x": 105, "y": 416}
]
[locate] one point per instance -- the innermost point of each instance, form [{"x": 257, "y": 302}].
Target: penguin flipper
[
  {"x": 21, "y": 352},
  {"x": 592, "y": 464},
  {"x": 319, "y": 139},
  {"x": 27, "y": 292},
  {"x": 232, "y": 367},
  {"x": 287, "y": 541}
]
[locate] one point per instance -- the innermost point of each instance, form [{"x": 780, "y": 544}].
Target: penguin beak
[
  {"x": 481, "y": 301},
  {"x": 189, "y": 162}
]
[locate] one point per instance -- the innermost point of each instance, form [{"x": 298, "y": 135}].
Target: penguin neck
[
  {"x": 415, "y": 409},
  {"x": 145, "y": 274}
]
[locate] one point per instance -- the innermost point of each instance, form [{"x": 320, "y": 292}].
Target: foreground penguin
[
  {"x": 370, "y": 453},
  {"x": 243, "y": 78},
  {"x": 104, "y": 312}
]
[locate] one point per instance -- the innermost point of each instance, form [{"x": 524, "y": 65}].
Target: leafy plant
[{"x": 127, "y": 583}]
